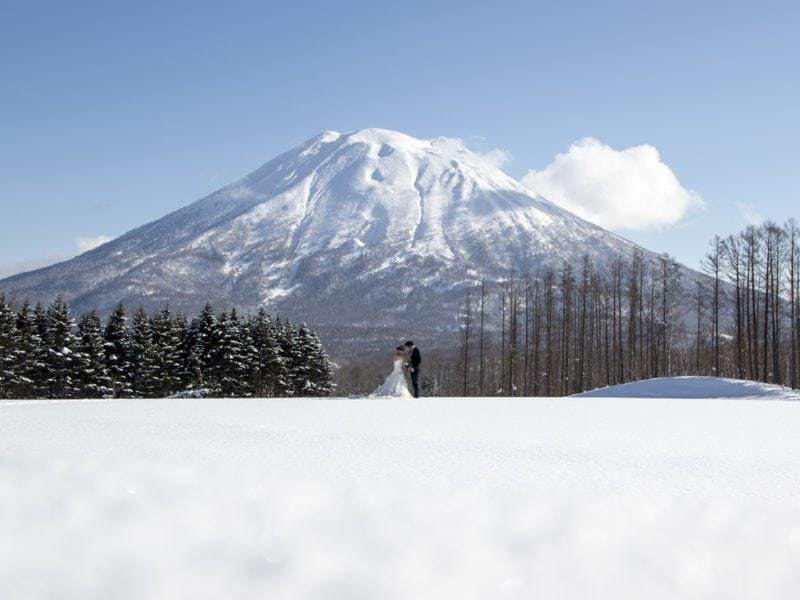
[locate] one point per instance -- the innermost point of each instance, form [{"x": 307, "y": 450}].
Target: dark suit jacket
[{"x": 415, "y": 359}]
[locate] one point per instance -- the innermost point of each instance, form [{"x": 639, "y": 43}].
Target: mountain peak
[
  {"x": 389, "y": 137},
  {"x": 349, "y": 229},
  {"x": 394, "y": 140}
]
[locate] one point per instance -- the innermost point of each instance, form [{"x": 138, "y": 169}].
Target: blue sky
[{"x": 112, "y": 116}]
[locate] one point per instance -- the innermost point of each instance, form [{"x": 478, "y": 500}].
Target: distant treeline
[
  {"x": 566, "y": 330},
  {"x": 44, "y": 354}
]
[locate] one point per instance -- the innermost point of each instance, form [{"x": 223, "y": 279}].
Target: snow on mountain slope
[{"x": 368, "y": 228}]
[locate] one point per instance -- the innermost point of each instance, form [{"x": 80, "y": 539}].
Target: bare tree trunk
[
  {"x": 607, "y": 348},
  {"x": 503, "y": 343},
  {"x": 753, "y": 250},
  {"x": 734, "y": 260},
  {"x": 767, "y": 285},
  {"x": 591, "y": 311},
  {"x": 580, "y": 384},
  {"x": 642, "y": 366},
  {"x": 653, "y": 372},
  {"x": 620, "y": 345},
  {"x": 537, "y": 332},
  {"x": 563, "y": 339},
  {"x": 698, "y": 331},
  {"x": 712, "y": 265},
  {"x": 512, "y": 338},
  {"x": 793, "y": 304},
  {"x": 616, "y": 327},
  {"x": 777, "y": 271},
  {"x": 633, "y": 296},
  {"x": 526, "y": 366},
  {"x": 548, "y": 291},
  {"x": 664, "y": 292},
  {"x": 751, "y": 371},
  {"x": 481, "y": 368},
  {"x": 467, "y": 324},
  {"x": 716, "y": 307}
]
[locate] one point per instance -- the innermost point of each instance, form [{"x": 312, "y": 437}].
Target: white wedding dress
[{"x": 395, "y": 385}]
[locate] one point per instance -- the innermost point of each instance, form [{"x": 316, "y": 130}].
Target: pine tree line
[{"x": 45, "y": 354}]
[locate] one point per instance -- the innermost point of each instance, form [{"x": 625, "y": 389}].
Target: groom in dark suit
[{"x": 414, "y": 361}]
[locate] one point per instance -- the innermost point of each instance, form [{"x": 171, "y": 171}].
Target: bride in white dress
[{"x": 395, "y": 385}]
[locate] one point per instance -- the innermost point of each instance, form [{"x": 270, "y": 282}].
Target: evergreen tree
[
  {"x": 180, "y": 327},
  {"x": 29, "y": 352},
  {"x": 270, "y": 376},
  {"x": 94, "y": 380},
  {"x": 248, "y": 353},
  {"x": 197, "y": 349},
  {"x": 317, "y": 366},
  {"x": 143, "y": 359},
  {"x": 192, "y": 368},
  {"x": 43, "y": 354},
  {"x": 231, "y": 365},
  {"x": 117, "y": 352},
  {"x": 61, "y": 346},
  {"x": 42, "y": 327},
  {"x": 168, "y": 333},
  {"x": 214, "y": 370},
  {"x": 296, "y": 370},
  {"x": 191, "y": 364},
  {"x": 9, "y": 342}
]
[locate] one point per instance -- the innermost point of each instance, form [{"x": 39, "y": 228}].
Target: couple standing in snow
[{"x": 407, "y": 359}]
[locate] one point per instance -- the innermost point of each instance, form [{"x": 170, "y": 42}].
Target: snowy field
[{"x": 381, "y": 499}]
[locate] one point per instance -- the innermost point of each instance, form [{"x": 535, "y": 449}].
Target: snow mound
[{"x": 694, "y": 387}]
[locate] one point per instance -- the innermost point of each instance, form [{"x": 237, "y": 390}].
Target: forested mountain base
[{"x": 44, "y": 355}]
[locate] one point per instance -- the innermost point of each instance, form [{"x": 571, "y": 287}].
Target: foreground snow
[{"x": 448, "y": 498}]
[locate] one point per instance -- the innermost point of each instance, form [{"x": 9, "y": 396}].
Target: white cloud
[
  {"x": 618, "y": 189},
  {"x": 749, "y": 213},
  {"x": 84, "y": 244},
  {"x": 497, "y": 157}
]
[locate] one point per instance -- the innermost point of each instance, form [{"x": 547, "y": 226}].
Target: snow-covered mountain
[{"x": 370, "y": 228}]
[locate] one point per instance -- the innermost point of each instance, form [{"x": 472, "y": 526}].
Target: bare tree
[
  {"x": 466, "y": 333},
  {"x": 481, "y": 350},
  {"x": 711, "y": 264}
]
